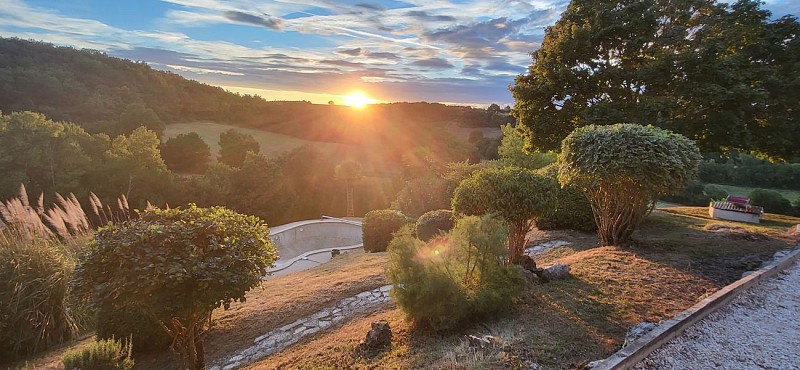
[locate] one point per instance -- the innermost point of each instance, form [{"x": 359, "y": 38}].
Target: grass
[
  {"x": 678, "y": 257},
  {"x": 743, "y": 191},
  {"x": 272, "y": 144}
]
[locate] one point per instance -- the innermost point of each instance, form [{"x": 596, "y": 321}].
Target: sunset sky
[{"x": 457, "y": 51}]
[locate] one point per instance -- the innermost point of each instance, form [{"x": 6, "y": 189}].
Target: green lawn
[
  {"x": 271, "y": 144},
  {"x": 743, "y": 191}
]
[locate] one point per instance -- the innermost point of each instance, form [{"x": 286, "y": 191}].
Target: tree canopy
[
  {"x": 186, "y": 153},
  {"x": 234, "y": 145},
  {"x": 723, "y": 75}
]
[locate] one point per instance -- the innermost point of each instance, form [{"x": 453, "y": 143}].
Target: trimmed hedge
[
  {"x": 771, "y": 200},
  {"x": 433, "y": 223},
  {"x": 378, "y": 227}
]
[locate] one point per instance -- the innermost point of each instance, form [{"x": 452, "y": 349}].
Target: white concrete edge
[
  {"x": 285, "y": 227},
  {"x": 629, "y": 356},
  {"x": 291, "y": 261}
]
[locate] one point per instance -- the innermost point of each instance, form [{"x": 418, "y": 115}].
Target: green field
[
  {"x": 743, "y": 191},
  {"x": 271, "y": 144}
]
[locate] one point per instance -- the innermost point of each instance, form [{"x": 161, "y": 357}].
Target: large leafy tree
[
  {"x": 707, "y": 70},
  {"x": 234, "y": 145},
  {"x": 177, "y": 265},
  {"x": 134, "y": 167},
  {"x": 517, "y": 195},
  {"x": 186, "y": 153},
  {"x": 623, "y": 169}
]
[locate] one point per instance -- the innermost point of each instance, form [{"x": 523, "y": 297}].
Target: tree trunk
[{"x": 516, "y": 241}]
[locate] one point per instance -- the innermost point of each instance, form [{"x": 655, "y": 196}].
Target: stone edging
[
  {"x": 631, "y": 355},
  {"x": 289, "y": 334}
]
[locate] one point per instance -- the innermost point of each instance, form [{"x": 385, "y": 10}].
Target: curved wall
[{"x": 305, "y": 244}]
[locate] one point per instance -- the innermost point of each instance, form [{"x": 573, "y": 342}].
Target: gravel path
[{"x": 760, "y": 329}]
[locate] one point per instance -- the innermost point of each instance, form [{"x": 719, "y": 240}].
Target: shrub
[
  {"x": 691, "y": 195},
  {"x": 422, "y": 195},
  {"x": 713, "y": 192},
  {"x": 378, "y": 227},
  {"x": 178, "y": 265},
  {"x": 517, "y": 195},
  {"x": 771, "y": 200},
  {"x": 572, "y": 210},
  {"x": 143, "y": 331},
  {"x": 105, "y": 354},
  {"x": 452, "y": 278},
  {"x": 34, "y": 275},
  {"x": 624, "y": 168},
  {"x": 433, "y": 223}
]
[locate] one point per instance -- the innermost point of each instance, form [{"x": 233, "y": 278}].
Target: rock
[
  {"x": 593, "y": 364},
  {"x": 532, "y": 277},
  {"x": 335, "y": 252},
  {"x": 556, "y": 271},
  {"x": 486, "y": 341},
  {"x": 528, "y": 263},
  {"x": 532, "y": 249},
  {"x": 779, "y": 255},
  {"x": 379, "y": 336},
  {"x": 637, "y": 331}
]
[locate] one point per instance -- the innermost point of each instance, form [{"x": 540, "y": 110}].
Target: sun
[{"x": 357, "y": 100}]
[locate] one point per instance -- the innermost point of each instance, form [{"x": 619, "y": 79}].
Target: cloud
[
  {"x": 423, "y": 16},
  {"x": 351, "y": 52},
  {"x": 434, "y": 63},
  {"x": 265, "y": 21},
  {"x": 370, "y": 6}
]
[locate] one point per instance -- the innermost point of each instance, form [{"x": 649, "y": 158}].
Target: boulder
[
  {"x": 378, "y": 337},
  {"x": 637, "y": 331},
  {"x": 557, "y": 271}
]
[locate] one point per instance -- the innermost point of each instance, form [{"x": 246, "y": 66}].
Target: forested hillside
[{"x": 114, "y": 96}]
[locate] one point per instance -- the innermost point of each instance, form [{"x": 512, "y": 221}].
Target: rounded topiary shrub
[
  {"x": 433, "y": 223},
  {"x": 771, "y": 200},
  {"x": 714, "y": 192},
  {"x": 378, "y": 227}
]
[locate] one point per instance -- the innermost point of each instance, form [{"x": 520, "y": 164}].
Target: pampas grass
[{"x": 38, "y": 251}]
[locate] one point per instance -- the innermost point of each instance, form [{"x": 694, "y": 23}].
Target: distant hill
[{"x": 114, "y": 96}]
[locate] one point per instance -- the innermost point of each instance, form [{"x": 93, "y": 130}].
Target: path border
[{"x": 637, "y": 351}]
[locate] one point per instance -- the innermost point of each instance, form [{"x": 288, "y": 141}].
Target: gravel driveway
[{"x": 760, "y": 329}]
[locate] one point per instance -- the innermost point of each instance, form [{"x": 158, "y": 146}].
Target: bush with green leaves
[
  {"x": 186, "y": 153},
  {"x": 512, "y": 151},
  {"x": 456, "y": 277},
  {"x": 177, "y": 266},
  {"x": 714, "y": 192},
  {"x": 144, "y": 333},
  {"x": 104, "y": 354},
  {"x": 623, "y": 169},
  {"x": 434, "y": 223},
  {"x": 378, "y": 227},
  {"x": 572, "y": 210},
  {"x": 771, "y": 200},
  {"x": 517, "y": 195}
]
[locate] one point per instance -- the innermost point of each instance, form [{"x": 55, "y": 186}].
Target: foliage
[
  {"x": 517, "y": 195},
  {"x": 512, "y": 151},
  {"x": 714, "y": 192},
  {"x": 692, "y": 195},
  {"x": 186, "y": 153},
  {"x": 433, "y": 223},
  {"x": 177, "y": 265},
  {"x": 453, "y": 278},
  {"x": 572, "y": 210},
  {"x": 34, "y": 315},
  {"x": 422, "y": 195},
  {"x": 771, "y": 200},
  {"x": 623, "y": 169},
  {"x": 745, "y": 170},
  {"x": 234, "y": 145},
  {"x": 144, "y": 333},
  {"x": 722, "y": 74},
  {"x": 378, "y": 227},
  {"x": 105, "y": 354}
]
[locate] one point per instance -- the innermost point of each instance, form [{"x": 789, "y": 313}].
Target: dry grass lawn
[{"x": 678, "y": 257}]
